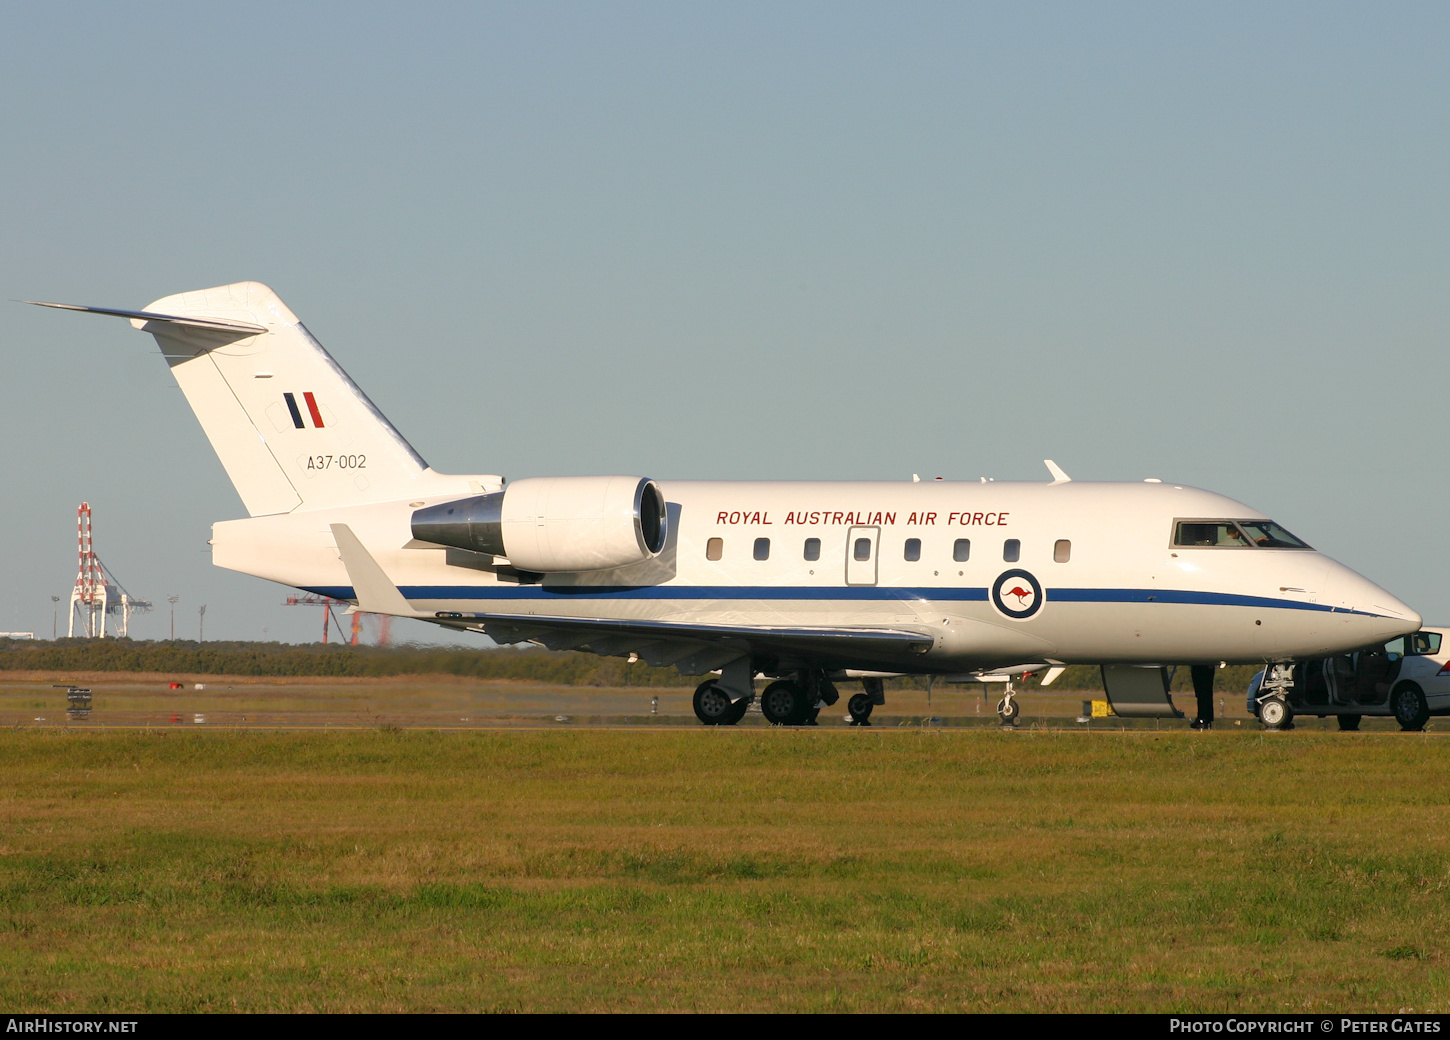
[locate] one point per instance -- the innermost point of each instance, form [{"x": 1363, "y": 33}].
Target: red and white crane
[
  {"x": 308, "y": 599},
  {"x": 97, "y": 593}
]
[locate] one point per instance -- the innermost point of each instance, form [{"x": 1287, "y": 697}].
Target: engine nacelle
[{"x": 553, "y": 524}]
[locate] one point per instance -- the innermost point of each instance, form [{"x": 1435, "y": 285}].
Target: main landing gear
[
  {"x": 793, "y": 701},
  {"x": 873, "y": 692},
  {"x": 798, "y": 700},
  {"x": 786, "y": 703},
  {"x": 714, "y": 708}
]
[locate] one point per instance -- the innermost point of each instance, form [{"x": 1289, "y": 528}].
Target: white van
[{"x": 1408, "y": 677}]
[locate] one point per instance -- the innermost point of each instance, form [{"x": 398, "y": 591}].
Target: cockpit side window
[
  {"x": 1233, "y": 534},
  {"x": 1269, "y": 535},
  {"x": 1217, "y": 534}
]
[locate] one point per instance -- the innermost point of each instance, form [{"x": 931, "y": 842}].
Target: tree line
[{"x": 563, "y": 667}]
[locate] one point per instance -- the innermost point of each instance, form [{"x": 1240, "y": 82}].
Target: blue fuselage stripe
[{"x": 816, "y": 594}]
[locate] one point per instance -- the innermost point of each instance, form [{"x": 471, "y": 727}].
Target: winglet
[
  {"x": 1058, "y": 476},
  {"x": 375, "y": 591}
]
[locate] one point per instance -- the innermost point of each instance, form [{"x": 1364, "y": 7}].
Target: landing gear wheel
[
  {"x": 860, "y": 708},
  {"x": 785, "y": 704},
  {"x": 712, "y": 707},
  {"x": 1275, "y": 713},
  {"x": 1008, "y": 709},
  {"x": 1408, "y": 704},
  {"x": 737, "y": 711},
  {"x": 1349, "y": 723}
]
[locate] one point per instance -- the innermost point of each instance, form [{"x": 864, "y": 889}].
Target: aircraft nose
[{"x": 1377, "y": 614}]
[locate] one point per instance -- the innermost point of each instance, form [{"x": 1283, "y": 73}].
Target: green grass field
[{"x": 723, "y": 870}]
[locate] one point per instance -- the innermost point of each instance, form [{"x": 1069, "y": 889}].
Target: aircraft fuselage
[{"x": 993, "y": 573}]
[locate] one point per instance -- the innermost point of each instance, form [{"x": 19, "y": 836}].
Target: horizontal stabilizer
[{"x": 220, "y": 324}]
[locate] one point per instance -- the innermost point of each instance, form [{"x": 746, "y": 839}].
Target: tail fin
[{"x": 291, "y": 429}]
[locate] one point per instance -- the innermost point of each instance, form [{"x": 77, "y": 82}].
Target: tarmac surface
[{"x": 455, "y": 703}]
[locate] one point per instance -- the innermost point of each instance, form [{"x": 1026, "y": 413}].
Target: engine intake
[{"x": 555, "y": 524}]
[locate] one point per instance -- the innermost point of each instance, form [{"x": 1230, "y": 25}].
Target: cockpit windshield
[
  {"x": 1233, "y": 534},
  {"x": 1270, "y": 535}
]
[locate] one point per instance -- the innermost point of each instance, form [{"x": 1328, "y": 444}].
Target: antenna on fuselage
[{"x": 1058, "y": 476}]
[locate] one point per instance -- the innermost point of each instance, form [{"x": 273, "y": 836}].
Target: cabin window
[
  {"x": 714, "y": 548},
  {"x": 912, "y": 552},
  {"x": 862, "y": 550},
  {"x": 762, "y": 548},
  {"x": 1012, "y": 550},
  {"x": 813, "y": 549},
  {"x": 1061, "y": 551},
  {"x": 961, "y": 549}
]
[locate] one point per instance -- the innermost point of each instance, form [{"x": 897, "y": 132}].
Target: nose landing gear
[
  {"x": 1274, "y": 709},
  {"x": 1275, "y": 713},
  {"x": 1007, "y": 708}
]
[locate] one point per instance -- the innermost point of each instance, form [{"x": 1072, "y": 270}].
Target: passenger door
[
  {"x": 1375, "y": 671},
  {"x": 861, "y": 546}
]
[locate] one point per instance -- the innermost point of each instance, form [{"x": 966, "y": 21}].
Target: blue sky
[{"x": 1202, "y": 243}]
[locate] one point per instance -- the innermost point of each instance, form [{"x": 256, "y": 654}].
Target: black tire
[
  {"x": 737, "y": 711},
  {"x": 712, "y": 707},
  {"x": 1349, "y": 723},
  {"x": 1408, "y": 703},
  {"x": 860, "y": 707},
  {"x": 1275, "y": 713},
  {"x": 783, "y": 703},
  {"x": 1008, "y": 711}
]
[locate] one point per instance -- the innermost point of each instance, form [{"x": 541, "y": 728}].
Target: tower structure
[
  {"x": 96, "y": 592},
  {"x": 384, "y": 621},
  {"x": 88, "y": 597},
  {"x": 309, "y": 599}
]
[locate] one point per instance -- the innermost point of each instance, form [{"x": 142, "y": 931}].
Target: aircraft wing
[
  {"x": 661, "y": 643},
  {"x": 694, "y": 648}
]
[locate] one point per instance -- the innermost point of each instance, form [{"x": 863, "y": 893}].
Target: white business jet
[{"x": 808, "y": 584}]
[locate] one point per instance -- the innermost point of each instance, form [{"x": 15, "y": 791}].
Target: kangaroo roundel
[{"x": 1017, "y": 594}]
